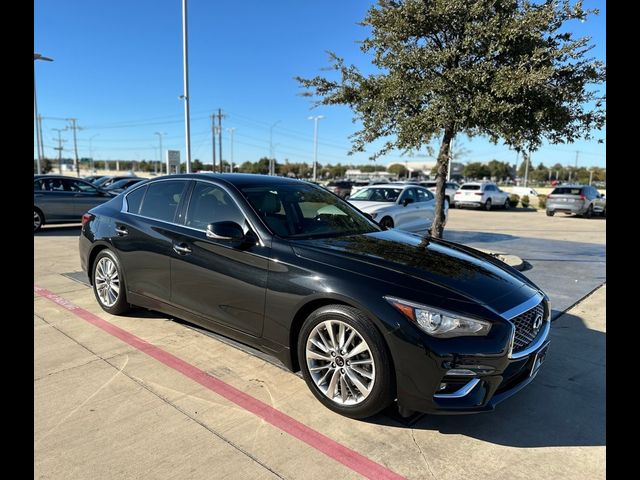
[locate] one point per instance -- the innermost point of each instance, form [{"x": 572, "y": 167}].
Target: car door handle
[
  {"x": 121, "y": 231},
  {"x": 182, "y": 249}
]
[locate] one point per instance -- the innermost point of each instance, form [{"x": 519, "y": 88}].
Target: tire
[
  {"x": 374, "y": 371},
  {"x": 506, "y": 204},
  {"x": 38, "y": 219},
  {"x": 386, "y": 222},
  {"x": 550, "y": 213},
  {"x": 589, "y": 212},
  {"x": 604, "y": 212},
  {"x": 487, "y": 204},
  {"x": 107, "y": 271}
]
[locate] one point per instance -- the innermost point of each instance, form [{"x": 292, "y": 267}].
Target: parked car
[
  {"x": 531, "y": 192},
  {"x": 360, "y": 184},
  {"x": 107, "y": 180},
  {"x": 480, "y": 194},
  {"x": 60, "y": 199},
  {"x": 579, "y": 199},
  {"x": 120, "y": 186},
  {"x": 368, "y": 315},
  {"x": 92, "y": 178},
  {"x": 340, "y": 188},
  {"x": 449, "y": 190},
  {"x": 404, "y": 206}
]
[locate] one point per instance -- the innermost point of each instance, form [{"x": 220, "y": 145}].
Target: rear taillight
[
  {"x": 582, "y": 197},
  {"x": 549, "y": 196},
  {"x": 478, "y": 193},
  {"x": 85, "y": 218}
]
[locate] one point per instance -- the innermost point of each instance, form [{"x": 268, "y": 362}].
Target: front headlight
[{"x": 439, "y": 323}]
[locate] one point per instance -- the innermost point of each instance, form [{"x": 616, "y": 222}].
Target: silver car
[
  {"x": 59, "y": 199},
  {"x": 480, "y": 194},
  {"x": 579, "y": 199},
  {"x": 403, "y": 206}
]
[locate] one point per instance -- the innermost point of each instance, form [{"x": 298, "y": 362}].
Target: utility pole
[
  {"x": 220, "y": 138},
  {"x": 185, "y": 96},
  {"x": 591, "y": 176},
  {"x": 41, "y": 137},
  {"x": 526, "y": 168},
  {"x": 315, "y": 142},
  {"x": 59, "y": 147},
  {"x": 160, "y": 140},
  {"x": 75, "y": 127},
  {"x": 231, "y": 130},
  {"x": 39, "y": 145},
  {"x": 213, "y": 140},
  {"x": 272, "y": 160}
]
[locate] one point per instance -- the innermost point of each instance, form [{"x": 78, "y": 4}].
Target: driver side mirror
[
  {"x": 347, "y": 197},
  {"x": 407, "y": 201},
  {"x": 226, "y": 232}
]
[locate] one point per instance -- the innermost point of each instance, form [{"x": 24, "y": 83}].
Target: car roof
[
  {"x": 239, "y": 180},
  {"x": 58, "y": 176}
]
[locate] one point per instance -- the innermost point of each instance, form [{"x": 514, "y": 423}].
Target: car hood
[
  {"x": 454, "y": 270},
  {"x": 369, "y": 207}
]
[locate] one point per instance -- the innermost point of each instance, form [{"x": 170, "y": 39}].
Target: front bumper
[{"x": 493, "y": 378}]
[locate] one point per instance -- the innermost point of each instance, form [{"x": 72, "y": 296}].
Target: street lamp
[
  {"x": 315, "y": 142},
  {"x": 272, "y": 162},
  {"x": 37, "y": 56}
]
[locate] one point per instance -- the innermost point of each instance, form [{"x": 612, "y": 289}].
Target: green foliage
[
  {"x": 397, "y": 169},
  {"x": 524, "y": 201},
  {"x": 505, "y": 69},
  {"x": 476, "y": 170},
  {"x": 513, "y": 200},
  {"x": 542, "y": 201}
]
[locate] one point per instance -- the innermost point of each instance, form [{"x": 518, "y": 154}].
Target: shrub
[
  {"x": 525, "y": 201},
  {"x": 542, "y": 201},
  {"x": 513, "y": 200}
]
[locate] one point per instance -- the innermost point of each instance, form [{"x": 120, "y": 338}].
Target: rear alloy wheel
[
  {"x": 108, "y": 283},
  {"x": 345, "y": 361},
  {"x": 550, "y": 213},
  {"x": 487, "y": 205},
  {"x": 386, "y": 222},
  {"x": 589, "y": 212},
  {"x": 506, "y": 204},
  {"x": 37, "y": 220}
]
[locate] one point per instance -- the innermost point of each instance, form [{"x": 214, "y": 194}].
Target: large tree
[{"x": 504, "y": 69}]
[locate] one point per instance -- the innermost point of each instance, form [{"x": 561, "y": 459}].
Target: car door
[
  {"x": 212, "y": 278},
  {"x": 144, "y": 234},
  {"x": 85, "y": 196},
  {"x": 407, "y": 217},
  {"x": 55, "y": 200},
  {"x": 426, "y": 207}
]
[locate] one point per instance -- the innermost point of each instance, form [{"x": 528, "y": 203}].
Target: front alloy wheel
[
  {"x": 487, "y": 205},
  {"x": 345, "y": 361},
  {"x": 37, "y": 220},
  {"x": 108, "y": 283}
]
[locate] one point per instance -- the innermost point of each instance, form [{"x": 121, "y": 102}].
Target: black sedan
[
  {"x": 120, "y": 186},
  {"x": 369, "y": 315}
]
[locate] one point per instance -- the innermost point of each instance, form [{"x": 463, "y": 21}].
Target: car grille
[{"x": 525, "y": 333}]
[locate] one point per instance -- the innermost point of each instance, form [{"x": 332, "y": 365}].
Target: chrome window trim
[
  {"x": 125, "y": 205},
  {"x": 523, "y": 307},
  {"x": 462, "y": 392}
]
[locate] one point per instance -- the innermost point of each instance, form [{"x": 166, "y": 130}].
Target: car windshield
[
  {"x": 306, "y": 211},
  {"x": 470, "y": 187},
  {"x": 373, "y": 194},
  {"x": 120, "y": 184},
  {"x": 566, "y": 191}
]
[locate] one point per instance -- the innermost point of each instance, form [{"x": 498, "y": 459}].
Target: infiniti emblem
[{"x": 537, "y": 322}]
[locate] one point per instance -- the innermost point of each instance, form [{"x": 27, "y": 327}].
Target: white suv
[{"x": 480, "y": 194}]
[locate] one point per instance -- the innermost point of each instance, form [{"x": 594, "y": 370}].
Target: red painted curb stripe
[{"x": 349, "y": 458}]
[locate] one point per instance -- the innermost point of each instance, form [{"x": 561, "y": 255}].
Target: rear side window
[
  {"x": 566, "y": 191},
  {"x": 134, "y": 200},
  {"x": 470, "y": 187},
  {"x": 162, "y": 199}
]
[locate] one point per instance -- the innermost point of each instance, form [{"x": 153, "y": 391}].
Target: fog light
[
  {"x": 461, "y": 372},
  {"x": 442, "y": 386}
]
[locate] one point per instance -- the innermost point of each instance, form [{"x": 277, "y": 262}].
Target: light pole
[
  {"x": 231, "y": 130},
  {"x": 160, "y": 139},
  {"x": 91, "y": 150},
  {"x": 59, "y": 148},
  {"x": 185, "y": 96},
  {"x": 37, "y": 56},
  {"x": 272, "y": 162},
  {"x": 315, "y": 142}
]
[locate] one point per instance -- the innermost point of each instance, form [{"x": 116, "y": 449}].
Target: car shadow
[
  {"x": 564, "y": 406},
  {"x": 59, "y": 231}
]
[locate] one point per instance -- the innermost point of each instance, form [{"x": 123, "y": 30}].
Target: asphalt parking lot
[{"x": 142, "y": 396}]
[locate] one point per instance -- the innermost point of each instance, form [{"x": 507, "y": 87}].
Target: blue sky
[{"x": 118, "y": 70}]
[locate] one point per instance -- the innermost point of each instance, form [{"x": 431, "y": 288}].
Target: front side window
[
  {"x": 210, "y": 204},
  {"x": 305, "y": 211},
  {"x": 162, "y": 199},
  {"x": 409, "y": 193},
  {"x": 79, "y": 186}
]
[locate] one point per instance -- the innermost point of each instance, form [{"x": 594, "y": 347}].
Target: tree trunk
[{"x": 442, "y": 165}]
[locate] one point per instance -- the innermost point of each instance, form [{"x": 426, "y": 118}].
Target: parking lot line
[{"x": 349, "y": 458}]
